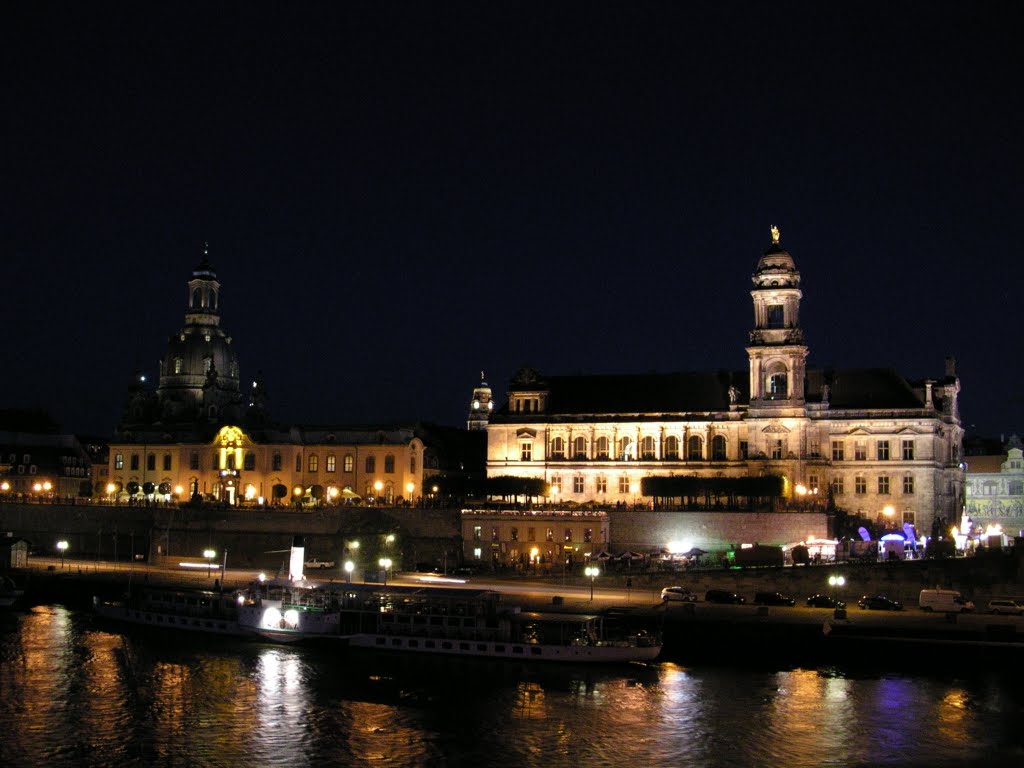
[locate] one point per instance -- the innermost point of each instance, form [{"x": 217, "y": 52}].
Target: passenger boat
[
  {"x": 434, "y": 620},
  {"x": 186, "y": 610},
  {"x": 290, "y": 612}
]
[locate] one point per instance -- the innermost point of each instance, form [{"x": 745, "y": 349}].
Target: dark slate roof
[
  {"x": 862, "y": 388},
  {"x": 700, "y": 392},
  {"x": 645, "y": 393}
]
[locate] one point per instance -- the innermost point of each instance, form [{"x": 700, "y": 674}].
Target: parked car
[
  {"x": 1009, "y": 607},
  {"x": 824, "y": 601},
  {"x": 947, "y": 600},
  {"x": 313, "y": 564},
  {"x": 678, "y": 593},
  {"x": 772, "y": 598},
  {"x": 879, "y": 603},
  {"x": 723, "y": 596}
]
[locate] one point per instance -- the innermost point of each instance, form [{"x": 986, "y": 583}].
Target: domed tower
[
  {"x": 199, "y": 371},
  {"x": 777, "y": 351},
  {"x": 480, "y": 406}
]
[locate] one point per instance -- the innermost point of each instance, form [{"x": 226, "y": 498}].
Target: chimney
[{"x": 950, "y": 367}]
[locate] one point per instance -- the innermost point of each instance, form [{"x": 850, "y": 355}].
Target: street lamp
[
  {"x": 592, "y": 571},
  {"x": 385, "y": 564},
  {"x": 377, "y": 486},
  {"x": 409, "y": 488},
  {"x": 209, "y": 554},
  {"x": 349, "y": 567},
  {"x": 62, "y": 546},
  {"x": 833, "y": 582}
]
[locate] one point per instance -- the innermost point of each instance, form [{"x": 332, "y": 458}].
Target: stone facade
[
  {"x": 995, "y": 490},
  {"x": 877, "y": 443}
]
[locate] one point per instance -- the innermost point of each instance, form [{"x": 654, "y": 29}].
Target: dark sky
[{"x": 398, "y": 195}]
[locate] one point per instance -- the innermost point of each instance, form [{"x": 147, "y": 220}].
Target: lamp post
[
  {"x": 377, "y": 487},
  {"x": 409, "y": 488},
  {"x": 592, "y": 571},
  {"x": 349, "y": 567},
  {"x": 209, "y": 554},
  {"x": 62, "y": 546},
  {"x": 385, "y": 564},
  {"x": 833, "y": 582}
]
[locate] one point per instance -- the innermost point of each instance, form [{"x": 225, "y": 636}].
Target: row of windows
[
  {"x": 882, "y": 450},
  {"x": 994, "y": 488},
  {"x": 531, "y": 534},
  {"x": 626, "y": 485},
  {"x": 626, "y": 449},
  {"x": 313, "y": 462},
  {"x": 883, "y": 485}
]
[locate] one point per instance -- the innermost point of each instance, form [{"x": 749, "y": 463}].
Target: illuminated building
[
  {"x": 198, "y": 435},
  {"x": 882, "y": 445},
  {"x": 995, "y": 489}
]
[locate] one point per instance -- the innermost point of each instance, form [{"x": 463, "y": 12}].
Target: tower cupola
[
  {"x": 480, "y": 406},
  {"x": 777, "y": 352}
]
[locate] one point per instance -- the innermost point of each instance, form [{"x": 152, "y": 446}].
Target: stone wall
[{"x": 712, "y": 531}]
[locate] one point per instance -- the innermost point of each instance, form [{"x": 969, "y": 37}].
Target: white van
[{"x": 948, "y": 600}]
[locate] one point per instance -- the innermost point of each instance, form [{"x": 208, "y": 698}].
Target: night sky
[{"x": 397, "y": 196}]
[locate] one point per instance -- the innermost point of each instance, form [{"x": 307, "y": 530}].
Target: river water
[{"x": 77, "y": 693}]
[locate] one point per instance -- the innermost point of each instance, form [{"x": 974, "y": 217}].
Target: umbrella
[
  {"x": 695, "y": 552},
  {"x": 604, "y": 556},
  {"x": 631, "y": 556}
]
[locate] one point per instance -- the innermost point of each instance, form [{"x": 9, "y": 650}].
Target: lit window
[
  {"x": 314, "y": 462},
  {"x": 477, "y": 532},
  {"x": 348, "y": 462},
  {"x": 332, "y": 462},
  {"x": 118, "y": 461},
  {"x": 177, "y": 365},
  {"x": 601, "y": 448}
]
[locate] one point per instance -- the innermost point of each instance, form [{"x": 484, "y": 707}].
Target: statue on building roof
[{"x": 775, "y": 235}]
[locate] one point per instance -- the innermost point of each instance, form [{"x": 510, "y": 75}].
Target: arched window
[
  {"x": 213, "y": 299},
  {"x": 694, "y": 448},
  {"x": 389, "y": 464},
  {"x": 625, "y": 449},
  {"x": 230, "y": 460},
  {"x": 557, "y": 448},
  {"x": 647, "y": 448},
  {"x": 777, "y": 382},
  {"x": 213, "y": 411},
  {"x": 196, "y": 299},
  {"x": 298, "y": 462},
  {"x": 579, "y": 448},
  {"x": 371, "y": 464},
  {"x": 601, "y": 448},
  {"x": 177, "y": 364},
  {"x": 718, "y": 448},
  {"x": 250, "y": 461},
  {"x": 332, "y": 462},
  {"x": 348, "y": 463},
  {"x": 672, "y": 448},
  {"x": 275, "y": 462},
  {"x": 314, "y": 463}
]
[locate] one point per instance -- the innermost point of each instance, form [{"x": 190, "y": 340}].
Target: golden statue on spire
[{"x": 775, "y": 235}]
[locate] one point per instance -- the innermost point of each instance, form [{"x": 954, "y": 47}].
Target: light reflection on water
[{"x": 75, "y": 693}]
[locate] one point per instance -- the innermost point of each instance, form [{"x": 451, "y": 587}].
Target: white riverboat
[
  {"x": 436, "y": 620},
  {"x": 185, "y": 610},
  {"x": 290, "y": 612}
]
